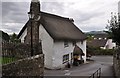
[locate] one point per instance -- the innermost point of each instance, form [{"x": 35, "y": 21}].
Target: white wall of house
[
  {"x": 47, "y": 46},
  {"x": 60, "y": 50},
  {"x": 110, "y": 44},
  {"x": 54, "y": 50},
  {"x": 22, "y": 37},
  {"x": 82, "y": 45}
]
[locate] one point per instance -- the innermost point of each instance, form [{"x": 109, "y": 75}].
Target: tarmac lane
[{"x": 86, "y": 70}]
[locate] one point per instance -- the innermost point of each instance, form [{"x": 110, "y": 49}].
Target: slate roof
[
  {"x": 101, "y": 35},
  {"x": 59, "y": 28},
  {"x": 97, "y": 43}
]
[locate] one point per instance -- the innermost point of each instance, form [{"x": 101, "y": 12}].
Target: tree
[
  {"x": 114, "y": 28},
  {"x": 13, "y": 38},
  {"x": 4, "y": 36}
]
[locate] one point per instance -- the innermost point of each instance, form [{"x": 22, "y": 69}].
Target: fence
[
  {"x": 14, "y": 51},
  {"x": 96, "y": 74},
  {"x": 17, "y": 60}
]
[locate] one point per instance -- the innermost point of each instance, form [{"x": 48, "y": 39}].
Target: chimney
[
  {"x": 71, "y": 19},
  {"x": 33, "y": 28},
  {"x": 35, "y": 6}
]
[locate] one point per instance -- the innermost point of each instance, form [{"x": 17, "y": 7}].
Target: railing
[
  {"x": 12, "y": 52},
  {"x": 8, "y": 53},
  {"x": 96, "y": 74}
]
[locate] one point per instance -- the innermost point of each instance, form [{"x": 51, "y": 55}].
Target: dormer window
[
  {"x": 74, "y": 43},
  {"x": 100, "y": 38},
  {"x": 81, "y": 42},
  {"x": 66, "y": 44}
]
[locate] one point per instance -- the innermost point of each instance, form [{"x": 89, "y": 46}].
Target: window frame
[
  {"x": 74, "y": 43},
  {"x": 71, "y": 55},
  {"x": 65, "y": 58},
  {"x": 82, "y": 42},
  {"x": 66, "y": 44}
]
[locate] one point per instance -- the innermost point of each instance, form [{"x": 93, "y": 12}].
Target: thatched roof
[
  {"x": 59, "y": 28},
  {"x": 77, "y": 50}
]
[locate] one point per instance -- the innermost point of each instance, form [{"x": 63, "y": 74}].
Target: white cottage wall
[
  {"x": 54, "y": 50},
  {"x": 110, "y": 44},
  {"x": 60, "y": 50},
  {"x": 47, "y": 46},
  {"x": 82, "y": 45},
  {"x": 22, "y": 37}
]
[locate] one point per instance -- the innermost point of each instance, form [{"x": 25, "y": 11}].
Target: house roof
[
  {"x": 59, "y": 28},
  {"x": 101, "y": 35},
  {"x": 97, "y": 43}
]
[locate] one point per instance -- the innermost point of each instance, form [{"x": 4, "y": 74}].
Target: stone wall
[
  {"x": 116, "y": 63},
  {"x": 32, "y": 66}
]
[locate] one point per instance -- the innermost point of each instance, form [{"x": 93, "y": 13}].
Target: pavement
[{"x": 87, "y": 69}]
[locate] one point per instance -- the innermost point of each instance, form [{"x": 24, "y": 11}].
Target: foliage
[
  {"x": 90, "y": 37},
  {"x": 114, "y": 27},
  {"x": 13, "y": 38},
  {"x": 99, "y": 51},
  {"x": 4, "y": 36},
  {"x": 6, "y": 60}
]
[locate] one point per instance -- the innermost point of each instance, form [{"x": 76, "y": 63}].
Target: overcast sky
[{"x": 88, "y": 15}]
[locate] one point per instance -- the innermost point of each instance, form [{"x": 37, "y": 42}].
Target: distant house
[
  {"x": 101, "y": 41},
  {"x": 61, "y": 39}
]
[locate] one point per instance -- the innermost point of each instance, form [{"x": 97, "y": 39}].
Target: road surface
[{"x": 103, "y": 62}]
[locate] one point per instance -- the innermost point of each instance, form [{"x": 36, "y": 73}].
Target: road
[{"x": 103, "y": 62}]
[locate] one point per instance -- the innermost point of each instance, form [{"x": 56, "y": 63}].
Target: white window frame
[
  {"x": 65, "y": 58},
  {"x": 66, "y": 44}
]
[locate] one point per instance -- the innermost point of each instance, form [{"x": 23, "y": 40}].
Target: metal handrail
[{"x": 96, "y": 74}]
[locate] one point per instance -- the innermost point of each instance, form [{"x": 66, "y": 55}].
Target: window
[
  {"x": 25, "y": 38},
  {"x": 74, "y": 43},
  {"x": 81, "y": 42},
  {"x": 65, "y": 58},
  {"x": 66, "y": 44},
  {"x": 71, "y": 56},
  {"x": 105, "y": 38},
  {"x": 100, "y": 38}
]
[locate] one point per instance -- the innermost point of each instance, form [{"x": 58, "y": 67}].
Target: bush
[{"x": 98, "y": 51}]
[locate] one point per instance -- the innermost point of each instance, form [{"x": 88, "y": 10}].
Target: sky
[{"x": 88, "y": 15}]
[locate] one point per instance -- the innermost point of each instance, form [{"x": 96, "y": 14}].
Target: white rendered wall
[
  {"x": 22, "y": 37},
  {"x": 114, "y": 45},
  {"x": 54, "y": 51},
  {"x": 83, "y": 47},
  {"x": 47, "y": 46},
  {"x": 60, "y": 50},
  {"x": 110, "y": 44}
]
